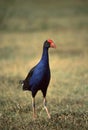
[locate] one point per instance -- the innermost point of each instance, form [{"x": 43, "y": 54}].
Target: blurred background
[
  {"x": 39, "y": 15},
  {"x": 24, "y": 26}
]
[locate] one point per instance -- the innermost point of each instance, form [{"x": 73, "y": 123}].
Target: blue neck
[{"x": 45, "y": 56}]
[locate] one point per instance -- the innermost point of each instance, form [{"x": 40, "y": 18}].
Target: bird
[{"x": 39, "y": 77}]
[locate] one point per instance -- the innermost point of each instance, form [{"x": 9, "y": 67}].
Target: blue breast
[
  {"x": 41, "y": 74},
  {"x": 41, "y": 77}
]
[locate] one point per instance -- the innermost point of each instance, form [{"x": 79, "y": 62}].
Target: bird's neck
[{"x": 45, "y": 56}]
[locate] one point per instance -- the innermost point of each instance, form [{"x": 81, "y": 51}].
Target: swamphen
[{"x": 39, "y": 76}]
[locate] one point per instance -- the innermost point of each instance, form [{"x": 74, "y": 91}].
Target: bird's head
[{"x": 49, "y": 43}]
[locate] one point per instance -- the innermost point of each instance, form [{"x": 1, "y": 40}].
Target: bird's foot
[
  {"x": 34, "y": 116},
  {"x": 49, "y": 116}
]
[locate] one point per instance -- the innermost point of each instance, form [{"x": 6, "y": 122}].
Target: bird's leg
[
  {"x": 33, "y": 106},
  {"x": 46, "y": 108}
]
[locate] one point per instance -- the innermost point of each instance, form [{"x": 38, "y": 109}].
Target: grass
[{"x": 22, "y": 32}]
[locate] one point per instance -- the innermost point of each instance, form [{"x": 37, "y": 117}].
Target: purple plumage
[{"x": 39, "y": 76}]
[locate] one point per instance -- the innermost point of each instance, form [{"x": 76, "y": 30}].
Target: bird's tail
[{"x": 21, "y": 82}]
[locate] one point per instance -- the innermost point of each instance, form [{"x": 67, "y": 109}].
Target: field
[{"x": 24, "y": 26}]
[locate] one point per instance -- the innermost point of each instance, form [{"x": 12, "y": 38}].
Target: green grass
[{"x": 23, "y": 28}]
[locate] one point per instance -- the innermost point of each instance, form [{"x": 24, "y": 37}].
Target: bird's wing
[
  {"x": 28, "y": 76},
  {"x": 25, "y": 82},
  {"x": 30, "y": 73}
]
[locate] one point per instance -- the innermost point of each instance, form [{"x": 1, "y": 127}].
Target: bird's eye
[{"x": 47, "y": 44}]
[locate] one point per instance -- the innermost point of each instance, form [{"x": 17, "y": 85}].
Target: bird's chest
[
  {"x": 41, "y": 77},
  {"x": 45, "y": 77}
]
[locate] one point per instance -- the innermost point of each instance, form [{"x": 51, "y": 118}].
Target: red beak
[{"x": 52, "y": 45}]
